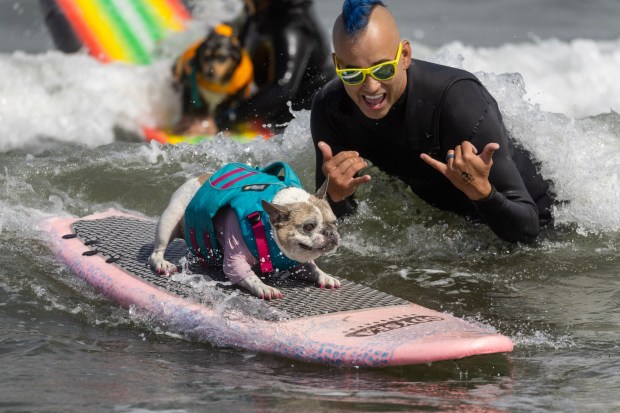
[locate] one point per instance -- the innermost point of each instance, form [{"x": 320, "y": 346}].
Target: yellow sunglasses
[{"x": 381, "y": 72}]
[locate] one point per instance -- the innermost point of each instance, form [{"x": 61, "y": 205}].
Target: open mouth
[
  {"x": 326, "y": 247},
  {"x": 374, "y": 101},
  {"x": 305, "y": 247}
]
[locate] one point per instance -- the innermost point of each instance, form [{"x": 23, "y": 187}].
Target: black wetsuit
[
  {"x": 440, "y": 108},
  {"x": 291, "y": 62}
]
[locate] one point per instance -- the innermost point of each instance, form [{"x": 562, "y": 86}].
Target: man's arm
[{"x": 470, "y": 114}]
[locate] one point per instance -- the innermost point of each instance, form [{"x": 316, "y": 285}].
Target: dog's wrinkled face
[
  {"x": 218, "y": 57},
  {"x": 306, "y": 229}
]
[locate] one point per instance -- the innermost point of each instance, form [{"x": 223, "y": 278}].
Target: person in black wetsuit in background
[
  {"x": 291, "y": 57},
  {"x": 435, "y": 127}
]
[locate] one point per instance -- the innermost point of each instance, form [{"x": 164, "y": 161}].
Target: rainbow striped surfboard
[
  {"x": 129, "y": 31},
  {"x": 122, "y": 30}
]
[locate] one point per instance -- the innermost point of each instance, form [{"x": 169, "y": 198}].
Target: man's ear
[
  {"x": 406, "y": 54},
  {"x": 277, "y": 213},
  {"x": 322, "y": 191}
]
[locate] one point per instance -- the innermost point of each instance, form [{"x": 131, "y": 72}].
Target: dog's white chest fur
[{"x": 212, "y": 99}]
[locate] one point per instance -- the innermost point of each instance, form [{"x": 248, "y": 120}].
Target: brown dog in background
[{"x": 214, "y": 71}]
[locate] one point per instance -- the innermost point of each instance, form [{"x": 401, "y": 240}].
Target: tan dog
[
  {"x": 216, "y": 70},
  {"x": 303, "y": 228}
]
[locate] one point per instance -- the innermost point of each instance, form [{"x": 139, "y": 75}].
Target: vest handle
[
  {"x": 262, "y": 245},
  {"x": 275, "y": 169}
]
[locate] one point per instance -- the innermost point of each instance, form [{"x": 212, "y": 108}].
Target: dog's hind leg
[{"x": 169, "y": 225}]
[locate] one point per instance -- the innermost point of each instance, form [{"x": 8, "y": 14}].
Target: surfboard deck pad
[
  {"x": 128, "y": 243},
  {"x": 351, "y": 326}
]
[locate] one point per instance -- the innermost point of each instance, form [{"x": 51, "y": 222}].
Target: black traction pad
[{"x": 128, "y": 243}]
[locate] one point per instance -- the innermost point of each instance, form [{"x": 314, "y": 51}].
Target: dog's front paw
[
  {"x": 160, "y": 265},
  {"x": 309, "y": 271},
  {"x": 325, "y": 280},
  {"x": 254, "y": 285}
]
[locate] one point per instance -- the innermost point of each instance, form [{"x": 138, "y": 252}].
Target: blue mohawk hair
[{"x": 355, "y": 14}]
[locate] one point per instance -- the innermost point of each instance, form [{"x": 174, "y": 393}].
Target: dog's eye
[{"x": 309, "y": 226}]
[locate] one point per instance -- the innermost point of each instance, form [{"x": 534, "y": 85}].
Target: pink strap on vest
[
  {"x": 231, "y": 174},
  {"x": 261, "y": 242},
  {"x": 194, "y": 241},
  {"x": 227, "y": 175},
  {"x": 207, "y": 240},
  {"x": 232, "y": 181}
]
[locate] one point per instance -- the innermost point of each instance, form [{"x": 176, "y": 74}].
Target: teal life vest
[{"x": 242, "y": 188}]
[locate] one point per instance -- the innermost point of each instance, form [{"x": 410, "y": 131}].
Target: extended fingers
[
  {"x": 439, "y": 166},
  {"x": 326, "y": 150},
  {"x": 360, "y": 180},
  {"x": 487, "y": 152}
]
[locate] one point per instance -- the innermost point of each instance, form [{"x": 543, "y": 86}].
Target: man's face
[{"x": 374, "y": 98}]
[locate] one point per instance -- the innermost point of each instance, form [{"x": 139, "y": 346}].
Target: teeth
[{"x": 374, "y": 99}]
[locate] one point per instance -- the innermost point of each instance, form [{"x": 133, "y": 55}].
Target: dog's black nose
[{"x": 331, "y": 235}]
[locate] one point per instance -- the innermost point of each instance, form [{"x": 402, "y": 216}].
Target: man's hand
[
  {"x": 467, "y": 170},
  {"x": 341, "y": 170}
]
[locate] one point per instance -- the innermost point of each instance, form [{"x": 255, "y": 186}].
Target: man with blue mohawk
[{"x": 435, "y": 127}]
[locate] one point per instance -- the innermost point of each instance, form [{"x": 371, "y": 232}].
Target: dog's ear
[
  {"x": 277, "y": 213},
  {"x": 322, "y": 191}
]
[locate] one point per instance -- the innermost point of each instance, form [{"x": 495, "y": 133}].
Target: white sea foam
[
  {"x": 544, "y": 88},
  {"x": 581, "y": 156},
  {"x": 576, "y": 78},
  {"x": 74, "y": 98}
]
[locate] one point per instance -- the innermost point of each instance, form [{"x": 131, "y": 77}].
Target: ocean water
[{"x": 69, "y": 146}]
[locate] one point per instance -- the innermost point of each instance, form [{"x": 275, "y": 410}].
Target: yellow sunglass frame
[{"x": 369, "y": 70}]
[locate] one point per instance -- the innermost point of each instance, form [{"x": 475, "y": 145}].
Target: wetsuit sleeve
[
  {"x": 470, "y": 113},
  {"x": 322, "y": 130},
  {"x": 294, "y": 51}
]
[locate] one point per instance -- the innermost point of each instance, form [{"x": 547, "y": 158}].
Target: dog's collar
[{"x": 241, "y": 78}]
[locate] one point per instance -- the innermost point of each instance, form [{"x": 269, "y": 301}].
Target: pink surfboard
[{"x": 352, "y": 326}]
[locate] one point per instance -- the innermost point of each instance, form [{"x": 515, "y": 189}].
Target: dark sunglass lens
[
  {"x": 384, "y": 72},
  {"x": 352, "y": 77}
]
